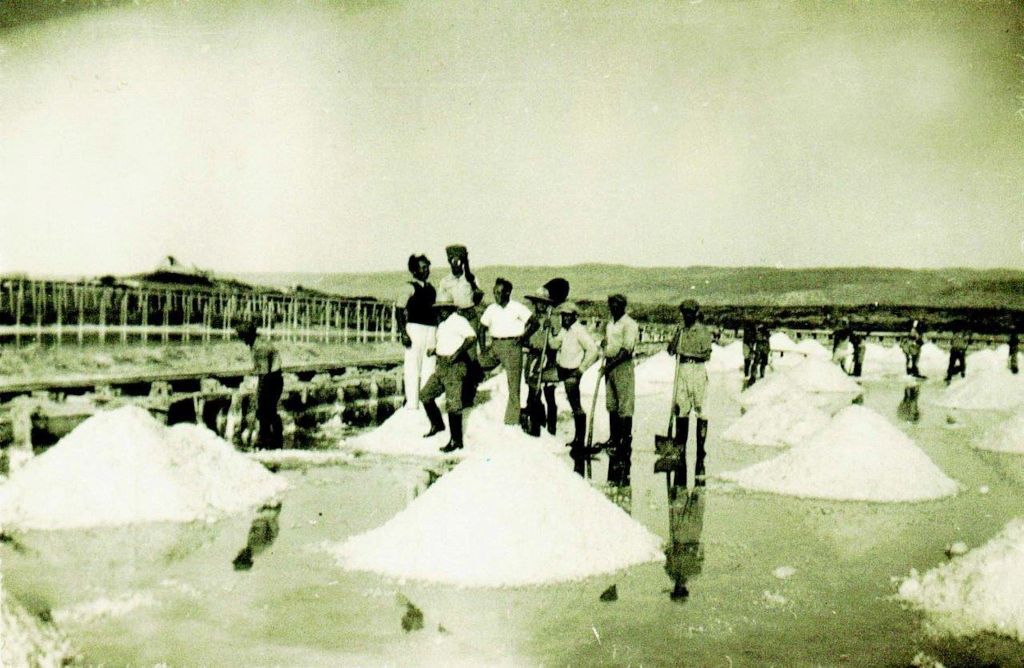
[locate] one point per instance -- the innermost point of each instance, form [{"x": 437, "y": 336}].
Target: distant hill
[{"x": 718, "y": 286}]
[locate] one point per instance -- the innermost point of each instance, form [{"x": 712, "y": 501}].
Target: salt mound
[
  {"x": 988, "y": 359},
  {"x": 726, "y": 358},
  {"x": 816, "y": 381},
  {"x": 933, "y": 360},
  {"x": 1005, "y": 437},
  {"x": 771, "y": 390},
  {"x": 778, "y": 425},
  {"x": 124, "y": 467},
  {"x": 781, "y": 342},
  {"x": 818, "y": 375},
  {"x": 507, "y": 517},
  {"x": 995, "y": 389},
  {"x": 655, "y": 372},
  {"x": 812, "y": 348},
  {"x": 27, "y": 641},
  {"x": 981, "y": 591},
  {"x": 882, "y": 360},
  {"x": 858, "y": 456}
]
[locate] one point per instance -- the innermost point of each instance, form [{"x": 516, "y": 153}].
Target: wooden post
[
  {"x": 359, "y": 320},
  {"x": 166, "y": 334},
  {"x": 394, "y": 322}
]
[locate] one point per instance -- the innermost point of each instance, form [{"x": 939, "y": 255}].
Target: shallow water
[{"x": 174, "y": 594}]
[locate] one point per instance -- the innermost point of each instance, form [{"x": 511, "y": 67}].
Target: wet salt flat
[{"x": 185, "y": 594}]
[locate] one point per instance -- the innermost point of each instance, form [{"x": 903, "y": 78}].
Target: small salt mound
[
  {"x": 124, "y": 467},
  {"x": 882, "y": 360},
  {"x": 780, "y": 342},
  {"x": 27, "y": 641},
  {"x": 655, "y": 372},
  {"x": 778, "y": 425},
  {"x": 818, "y": 375},
  {"x": 774, "y": 389},
  {"x": 981, "y": 591},
  {"x": 1005, "y": 437},
  {"x": 812, "y": 348},
  {"x": 933, "y": 360},
  {"x": 726, "y": 358},
  {"x": 995, "y": 389},
  {"x": 508, "y": 517},
  {"x": 858, "y": 456},
  {"x": 987, "y": 360}
]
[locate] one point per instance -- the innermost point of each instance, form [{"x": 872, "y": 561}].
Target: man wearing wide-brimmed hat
[
  {"x": 691, "y": 346},
  {"x": 540, "y": 370},
  {"x": 266, "y": 364},
  {"x": 577, "y": 351},
  {"x": 455, "y": 336}
]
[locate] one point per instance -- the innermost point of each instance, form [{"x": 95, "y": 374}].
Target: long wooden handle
[{"x": 593, "y": 407}]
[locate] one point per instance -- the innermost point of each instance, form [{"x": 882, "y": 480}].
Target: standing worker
[
  {"x": 763, "y": 347},
  {"x": 749, "y": 345},
  {"x": 455, "y": 337},
  {"x": 911, "y": 346},
  {"x": 957, "y": 354},
  {"x": 577, "y": 351},
  {"x": 691, "y": 346},
  {"x": 541, "y": 370},
  {"x": 859, "y": 342},
  {"x": 417, "y": 323},
  {"x": 621, "y": 336},
  {"x": 505, "y": 321},
  {"x": 266, "y": 365},
  {"x": 1013, "y": 344},
  {"x": 459, "y": 286}
]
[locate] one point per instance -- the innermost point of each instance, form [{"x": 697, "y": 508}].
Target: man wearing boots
[
  {"x": 417, "y": 325},
  {"x": 455, "y": 336},
  {"x": 621, "y": 335},
  {"x": 505, "y": 322},
  {"x": 266, "y": 364},
  {"x": 541, "y": 371},
  {"x": 576, "y": 352},
  {"x": 691, "y": 347}
]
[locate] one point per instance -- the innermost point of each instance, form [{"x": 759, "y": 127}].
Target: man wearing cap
[
  {"x": 691, "y": 346},
  {"x": 266, "y": 365},
  {"x": 621, "y": 336},
  {"x": 576, "y": 352},
  {"x": 505, "y": 321},
  {"x": 417, "y": 323},
  {"x": 541, "y": 369},
  {"x": 455, "y": 336}
]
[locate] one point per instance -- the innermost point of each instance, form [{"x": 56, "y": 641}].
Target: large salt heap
[
  {"x": 780, "y": 342},
  {"x": 988, "y": 359},
  {"x": 507, "y": 517},
  {"x": 818, "y": 375},
  {"x": 726, "y": 358},
  {"x": 812, "y": 348},
  {"x": 980, "y": 591},
  {"x": 993, "y": 389},
  {"x": 28, "y": 642},
  {"x": 1007, "y": 436},
  {"x": 858, "y": 456},
  {"x": 933, "y": 360},
  {"x": 882, "y": 360},
  {"x": 124, "y": 467},
  {"x": 786, "y": 423},
  {"x": 819, "y": 381}
]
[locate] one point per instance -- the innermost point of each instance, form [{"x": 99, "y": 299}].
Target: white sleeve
[
  {"x": 487, "y": 317},
  {"x": 466, "y": 329},
  {"x": 522, "y": 312}
]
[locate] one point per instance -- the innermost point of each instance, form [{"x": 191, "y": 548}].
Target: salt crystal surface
[
  {"x": 982, "y": 590},
  {"x": 726, "y": 358},
  {"x": 933, "y": 360},
  {"x": 27, "y": 641},
  {"x": 993, "y": 389},
  {"x": 124, "y": 467},
  {"x": 780, "y": 342},
  {"x": 504, "y": 517},
  {"x": 812, "y": 348},
  {"x": 882, "y": 360},
  {"x": 787, "y": 423},
  {"x": 859, "y": 455}
]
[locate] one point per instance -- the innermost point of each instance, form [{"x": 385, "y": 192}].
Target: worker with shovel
[
  {"x": 540, "y": 369},
  {"x": 577, "y": 351},
  {"x": 621, "y": 336},
  {"x": 455, "y": 336},
  {"x": 691, "y": 346}
]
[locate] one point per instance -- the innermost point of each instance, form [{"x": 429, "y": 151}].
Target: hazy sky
[{"x": 291, "y": 136}]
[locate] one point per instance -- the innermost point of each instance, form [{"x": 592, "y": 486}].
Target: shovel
[
  {"x": 536, "y": 417},
  {"x": 664, "y": 446},
  {"x": 589, "y": 451}
]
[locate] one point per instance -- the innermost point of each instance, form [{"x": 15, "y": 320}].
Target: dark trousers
[
  {"x": 571, "y": 379},
  {"x": 957, "y": 364},
  {"x": 268, "y": 393}
]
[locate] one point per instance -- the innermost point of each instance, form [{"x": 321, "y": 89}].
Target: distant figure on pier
[
  {"x": 455, "y": 338},
  {"x": 266, "y": 363},
  {"x": 417, "y": 324},
  {"x": 1014, "y": 345},
  {"x": 505, "y": 322}
]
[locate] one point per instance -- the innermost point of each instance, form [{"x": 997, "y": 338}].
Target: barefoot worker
[
  {"x": 505, "y": 322},
  {"x": 455, "y": 336},
  {"x": 417, "y": 324},
  {"x": 621, "y": 336},
  {"x": 691, "y": 347},
  {"x": 577, "y": 351},
  {"x": 266, "y": 365}
]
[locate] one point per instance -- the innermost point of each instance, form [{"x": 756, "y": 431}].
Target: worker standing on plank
[
  {"x": 417, "y": 324},
  {"x": 1013, "y": 344},
  {"x": 957, "y": 354},
  {"x": 577, "y": 351},
  {"x": 505, "y": 322},
  {"x": 691, "y": 346},
  {"x": 621, "y": 336},
  {"x": 266, "y": 365},
  {"x": 455, "y": 337}
]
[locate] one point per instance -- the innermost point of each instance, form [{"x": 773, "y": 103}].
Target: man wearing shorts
[
  {"x": 691, "y": 346},
  {"x": 455, "y": 336}
]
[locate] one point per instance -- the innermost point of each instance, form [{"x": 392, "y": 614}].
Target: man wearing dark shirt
[
  {"x": 691, "y": 346},
  {"x": 266, "y": 363}
]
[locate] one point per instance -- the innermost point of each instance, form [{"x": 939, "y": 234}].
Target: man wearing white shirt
[
  {"x": 505, "y": 322},
  {"x": 577, "y": 351},
  {"x": 455, "y": 336},
  {"x": 621, "y": 336},
  {"x": 459, "y": 286}
]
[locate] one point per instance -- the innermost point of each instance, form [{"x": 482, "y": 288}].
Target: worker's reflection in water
[
  {"x": 684, "y": 555},
  {"x": 261, "y": 535},
  {"x": 908, "y": 409}
]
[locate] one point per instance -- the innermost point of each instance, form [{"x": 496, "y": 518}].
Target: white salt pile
[
  {"x": 787, "y": 423},
  {"x": 1005, "y": 437},
  {"x": 780, "y": 342},
  {"x": 994, "y": 389},
  {"x": 771, "y": 390},
  {"x": 818, "y": 375},
  {"x": 124, "y": 467},
  {"x": 28, "y": 642},
  {"x": 819, "y": 378},
  {"x": 882, "y": 360},
  {"x": 982, "y": 590},
  {"x": 988, "y": 359},
  {"x": 508, "y": 517},
  {"x": 858, "y": 456},
  {"x": 933, "y": 360},
  {"x": 812, "y": 348},
  {"x": 725, "y": 358}
]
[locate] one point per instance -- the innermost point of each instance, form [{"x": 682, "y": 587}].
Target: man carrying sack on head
[
  {"x": 621, "y": 336},
  {"x": 576, "y": 352},
  {"x": 455, "y": 336},
  {"x": 691, "y": 347}
]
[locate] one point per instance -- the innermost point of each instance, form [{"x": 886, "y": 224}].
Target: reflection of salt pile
[
  {"x": 124, "y": 467},
  {"x": 725, "y": 358},
  {"x": 995, "y": 389},
  {"x": 780, "y": 342},
  {"x": 1005, "y": 437},
  {"x": 857, "y": 456},
  {"x": 507, "y": 517},
  {"x": 789, "y": 422},
  {"x": 27, "y": 641},
  {"x": 882, "y": 360},
  {"x": 981, "y": 591}
]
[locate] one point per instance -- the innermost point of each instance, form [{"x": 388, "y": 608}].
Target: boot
[
  {"x": 702, "y": 434},
  {"x": 455, "y": 423},
  {"x": 614, "y": 422},
  {"x": 680, "y": 437},
  {"x": 552, "y": 415},
  {"x": 434, "y": 415},
  {"x": 579, "y": 436}
]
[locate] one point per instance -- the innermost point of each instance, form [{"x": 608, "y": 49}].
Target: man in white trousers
[{"x": 417, "y": 323}]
